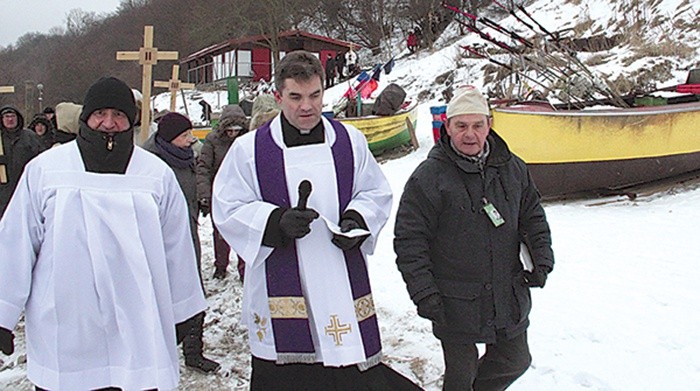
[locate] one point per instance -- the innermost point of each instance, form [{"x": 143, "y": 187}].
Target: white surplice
[
  {"x": 241, "y": 217},
  {"x": 104, "y": 267}
]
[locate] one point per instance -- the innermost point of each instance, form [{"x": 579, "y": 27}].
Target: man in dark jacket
[
  {"x": 173, "y": 143},
  {"x": 232, "y": 124},
  {"x": 462, "y": 216},
  {"x": 18, "y": 147}
]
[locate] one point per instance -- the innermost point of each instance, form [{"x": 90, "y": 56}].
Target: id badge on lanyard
[{"x": 493, "y": 213}]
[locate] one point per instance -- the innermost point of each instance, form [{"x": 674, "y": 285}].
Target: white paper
[
  {"x": 333, "y": 227},
  {"x": 526, "y": 258}
]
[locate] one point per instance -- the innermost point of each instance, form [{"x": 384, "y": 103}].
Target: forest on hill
[{"x": 69, "y": 59}]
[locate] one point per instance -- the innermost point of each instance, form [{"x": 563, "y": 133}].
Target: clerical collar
[{"x": 294, "y": 137}]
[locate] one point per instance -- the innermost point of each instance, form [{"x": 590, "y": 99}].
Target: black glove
[
  {"x": 295, "y": 223},
  {"x": 7, "y": 341},
  {"x": 204, "y": 206},
  {"x": 537, "y": 277},
  {"x": 345, "y": 243},
  {"x": 431, "y": 308}
]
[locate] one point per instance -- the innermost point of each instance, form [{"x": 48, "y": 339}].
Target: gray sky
[{"x": 23, "y": 16}]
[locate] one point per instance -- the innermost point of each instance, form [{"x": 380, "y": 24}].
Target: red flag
[{"x": 368, "y": 88}]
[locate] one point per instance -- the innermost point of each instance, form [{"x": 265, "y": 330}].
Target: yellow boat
[
  {"x": 584, "y": 151},
  {"x": 386, "y": 132},
  {"x": 382, "y": 133}
]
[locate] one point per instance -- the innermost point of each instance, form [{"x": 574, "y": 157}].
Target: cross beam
[
  {"x": 147, "y": 56},
  {"x": 174, "y": 85}
]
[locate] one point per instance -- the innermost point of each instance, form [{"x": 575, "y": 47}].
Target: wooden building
[{"x": 251, "y": 58}]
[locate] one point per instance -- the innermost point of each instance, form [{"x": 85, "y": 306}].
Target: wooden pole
[
  {"x": 412, "y": 132},
  {"x": 174, "y": 84},
  {"x": 147, "y": 56},
  {"x": 3, "y": 170}
]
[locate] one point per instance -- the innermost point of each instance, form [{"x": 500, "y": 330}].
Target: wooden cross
[
  {"x": 174, "y": 85},
  {"x": 336, "y": 330},
  {"x": 147, "y": 56},
  {"x": 3, "y": 169}
]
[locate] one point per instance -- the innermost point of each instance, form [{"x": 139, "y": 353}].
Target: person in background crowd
[
  {"x": 264, "y": 109},
  {"x": 340, "y": 65},
  {"x": 231, "y": 125},
  {"x": 351, "y": 61},
  {"x": 306, "y": 274},
  {"x": 412, "y": 42},
  {"x": 330, "y": 71},
  {"x": 18, "y": 147},
  {"x": 462, "y": 216},
  {"x": 172, "y": 142},
  {"x": 50, "y": 114},
  {"x": 102, "y": 261},
  {"x": 44, "y": 130},
  {"x": 68, "y": 121}
]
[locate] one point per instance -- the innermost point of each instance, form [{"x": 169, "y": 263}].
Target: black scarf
[
  {"x": 105, "y": 153},
  {"x": 176, "y": 157}
]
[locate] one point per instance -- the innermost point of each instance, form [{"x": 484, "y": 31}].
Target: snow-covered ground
[{"x": 620, "y": 310}]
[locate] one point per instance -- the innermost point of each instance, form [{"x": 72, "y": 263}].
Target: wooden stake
[
  {"x": 3, "y": 170},
  {"x": 147, "y": 56},
  {"x": 174, "y": 85},
  {"x": 412, "y": 132}
]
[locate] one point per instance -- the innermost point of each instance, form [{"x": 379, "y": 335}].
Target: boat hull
[
  {"x": 572, "y": 152},
  {"x": 384, "y": 133}
]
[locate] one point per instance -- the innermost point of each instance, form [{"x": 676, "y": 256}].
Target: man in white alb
[
  {"x": 95, "y": 247},
  {"x": 302, "y": 200}
]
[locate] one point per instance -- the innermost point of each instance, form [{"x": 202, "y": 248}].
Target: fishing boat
[
  {"x": 382, "y": 132},
  {"x": 386, "y": 132},
  {"x": 572, "y": 152}
]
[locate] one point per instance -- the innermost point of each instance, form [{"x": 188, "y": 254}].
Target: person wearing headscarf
[
  {"x": 232, "y": 124},
  {"x": 172, "y": 142}
]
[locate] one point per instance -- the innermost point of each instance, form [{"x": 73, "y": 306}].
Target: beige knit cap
[{"x": 467, "y": 100}]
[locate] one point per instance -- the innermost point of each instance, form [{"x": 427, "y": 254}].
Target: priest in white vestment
[
  {"x": 95, "y": 248},
  {"x": 303, "y": 201}
]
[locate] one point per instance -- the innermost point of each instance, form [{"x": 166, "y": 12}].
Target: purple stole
[{"x": 293, "y": 335}]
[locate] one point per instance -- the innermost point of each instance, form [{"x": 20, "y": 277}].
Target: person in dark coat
[
  {"x": 50, "y": 114},
  {"x": 412, "y": 42},
  {"x": 340, "y": 65},
  {"x": 43, "y": 128},
  {"x": 173, "y": 143},
  {"x": 461, "y": 219},
  {"x": 19, "y": 146},
  {"x": 231, "y": 125},
  {"x": 330, "y": 71}
]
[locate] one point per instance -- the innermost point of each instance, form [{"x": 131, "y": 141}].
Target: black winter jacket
[
  {"x": 216, "y": 145},
  {"x": 186, "y": 178},
  {"x": 446, "y": 244},
  {"x": 20, "y": 146}
]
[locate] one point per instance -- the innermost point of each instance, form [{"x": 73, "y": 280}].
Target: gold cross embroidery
[{"x": 336, "y": 330}]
